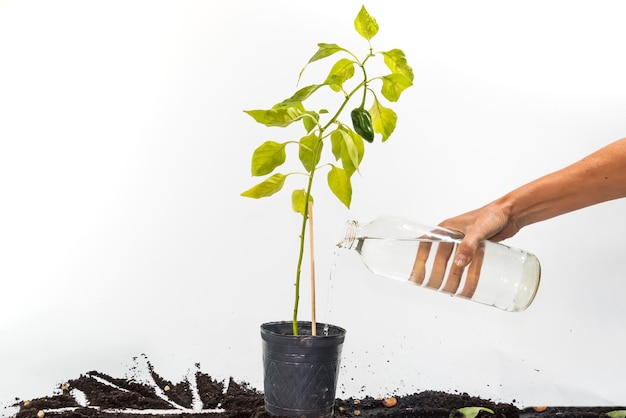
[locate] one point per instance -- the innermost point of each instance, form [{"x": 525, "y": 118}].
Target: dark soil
[{"x": 95, "y": 394}]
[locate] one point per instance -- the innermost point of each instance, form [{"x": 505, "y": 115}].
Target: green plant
[
  {"x": 617, "y": 414},
  {"x": 323, "y": 125},
  {"x": 470, "y": 411}
]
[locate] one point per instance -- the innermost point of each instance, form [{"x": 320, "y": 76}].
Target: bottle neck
[{"x": 349, "y": 235}]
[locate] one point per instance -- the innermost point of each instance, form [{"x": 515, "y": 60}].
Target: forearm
[{"x": 597, "y": 178}]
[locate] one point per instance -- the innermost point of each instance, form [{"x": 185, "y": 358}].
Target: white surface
[{"x": 123, "y": 150}]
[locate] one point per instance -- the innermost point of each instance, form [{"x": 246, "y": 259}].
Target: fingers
[
  {"x": 419, "y": 266},
  {"x": 473, "y": 274},
  {"x": 441, "y": 268},
  {"x": 454, "y": 278},
  {"x": 440, "y": 264},
  {"x": 447, "y": 270}
]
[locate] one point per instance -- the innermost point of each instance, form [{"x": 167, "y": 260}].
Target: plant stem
[
  {"x": 343, "y": 105},
  {"x": 364, "y": 87},
  {"x": 305, "y": 216}
]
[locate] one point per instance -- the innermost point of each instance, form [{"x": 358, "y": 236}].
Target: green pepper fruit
[{"x": 362, "y": 123}]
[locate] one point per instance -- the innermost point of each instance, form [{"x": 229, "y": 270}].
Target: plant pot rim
[{"x": 283, "y": 329}]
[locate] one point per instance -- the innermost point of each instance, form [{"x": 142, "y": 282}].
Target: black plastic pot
[{"x": 300, "y": 373}]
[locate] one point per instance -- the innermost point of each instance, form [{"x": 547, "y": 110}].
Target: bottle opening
[{"x": 349, "y": 235}]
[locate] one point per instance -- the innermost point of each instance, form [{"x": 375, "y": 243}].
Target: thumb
[{"x": 465, "y": 252}]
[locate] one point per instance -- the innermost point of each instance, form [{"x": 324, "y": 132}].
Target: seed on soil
[
  {"x": 357, "y": 401},
  {"x": 539, "y": 408},
  {"x": 357, "y": 412},
  {"x": 390, "y": 402},
  {"x": 40, "y": 414},
  {"x": 26, "y": 403},
  {"x": 166, "y": 388},
  {"x": 65, "y": 386}
]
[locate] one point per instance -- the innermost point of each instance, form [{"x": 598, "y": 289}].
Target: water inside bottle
[{"x": 429, "y": 263}]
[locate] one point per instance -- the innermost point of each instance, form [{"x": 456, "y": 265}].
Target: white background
[{"x": 124, "y": 147}]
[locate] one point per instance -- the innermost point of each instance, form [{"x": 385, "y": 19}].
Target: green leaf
[
  {"x": 278, "y": 116},
  {"x": 352, "y": 152},
  {"x": 383, "y": 119},
  {"x": 617, "y": 414},
  {"x": 471, "y": 411},
  {"x": 323, "y": 51},
  {"x": 310, "y": 122},
  {"x": 267, "y": 157},
  {"x": 299, "y": 201},
  {"x": 347, "y": 146},
  {"x": 365, "y": 24},
  {"x": 396, "y": 62},
  {"x": 349, "y": 149},
  {"x": 339, "y": 183},
  {"x": 310, "y": 151},
  {"x": 336, "y": 141},
  {"x": 342, "y": 71},
  {"x": 300, "y": 96},
  {"x": 267, "y": 187},
  {"x": 394, "y": 85}
]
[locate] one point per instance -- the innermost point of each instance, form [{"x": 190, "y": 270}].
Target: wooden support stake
[{"x": 311, "y": 246}]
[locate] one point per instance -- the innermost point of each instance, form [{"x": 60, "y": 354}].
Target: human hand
[
  {"x": 441, "y": 265},
  {"x": 491, "y": 222},
  {"x": 474, "y": 227}
]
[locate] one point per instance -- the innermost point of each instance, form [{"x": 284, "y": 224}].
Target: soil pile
[{"x": 96, "y": 394}]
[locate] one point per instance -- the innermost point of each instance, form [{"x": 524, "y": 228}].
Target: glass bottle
[{"x": 499, "y": 276}]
